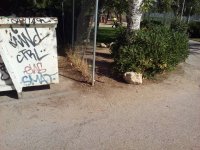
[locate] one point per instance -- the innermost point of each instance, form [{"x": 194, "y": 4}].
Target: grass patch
[{"x": 106, "y": 35}]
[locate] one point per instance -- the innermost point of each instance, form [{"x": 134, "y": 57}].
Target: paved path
[{"x": 154, "y": 116}]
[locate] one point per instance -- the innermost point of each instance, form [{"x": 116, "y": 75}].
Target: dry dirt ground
[{"x": 158, "y": 115}]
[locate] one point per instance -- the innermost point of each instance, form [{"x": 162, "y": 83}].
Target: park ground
[{"x": 162, "y": 114}]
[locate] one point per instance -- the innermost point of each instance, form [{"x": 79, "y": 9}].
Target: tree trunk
[
  {"x": 99, "y": 20},
  {"x": 120, "y": 18},
  {"x": 134, "y": 15},
  {"x": 107, "y": 16}
]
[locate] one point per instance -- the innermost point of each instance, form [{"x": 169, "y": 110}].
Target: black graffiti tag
[
  {"x": 25, "y": 38},
  {"x": 28, "y": 44},
  {"x": 28, "y": 21},
  {"x": 27, "y": 54},
  {"x": 4, "y": 73}
]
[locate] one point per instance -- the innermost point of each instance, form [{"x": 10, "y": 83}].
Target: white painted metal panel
[
  {"x": 28, "y": 48},
  {"x": 5, "y": 80}
]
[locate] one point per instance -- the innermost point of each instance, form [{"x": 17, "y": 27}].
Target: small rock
[
  {"x": 133, "y": 78},
  {"x": 86, "y": 41},
  {"x": 103, "y": 45},
  {"x": 111, "y": 44}
]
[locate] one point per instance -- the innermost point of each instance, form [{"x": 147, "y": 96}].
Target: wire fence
[
  {"x": 167, "y": 18},
  {"x": 84, "y": 32},
  {"x": 76, "y": 26}
]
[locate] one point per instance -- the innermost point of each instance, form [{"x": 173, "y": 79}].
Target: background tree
[
  {"x": 134, "y": 14},
  {"x": 135, "y": 11},
  {"x": 116, "y": 6},
  {"x": 191, "y": 7}
]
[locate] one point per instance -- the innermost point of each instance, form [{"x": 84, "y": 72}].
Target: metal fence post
[
  {"x": 95, "y": 42},
  {"x": 73, "y": 23}
]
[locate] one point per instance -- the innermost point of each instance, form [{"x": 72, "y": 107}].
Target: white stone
[
  {"x": 86, "y": 41},
  {"x": 103, "y": 45},
  {"x": 111, "y": 44},
  {"x": 133, "y": 78}
]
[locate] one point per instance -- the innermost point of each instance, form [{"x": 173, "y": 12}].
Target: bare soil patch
[{"x": 105, "y": 79}]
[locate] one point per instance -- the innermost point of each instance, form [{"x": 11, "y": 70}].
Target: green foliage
[
  {"x": 147, "y": 5},
  {"x": 194, "y": 29},
  {"x": 150, "y": 23},
  {"x": 191, "y": 6},
  {"x": 121, "y": 6},
  {"x": 118, "y": 6},
  {"x": 164, "y": 5},
  {"x": 106, "y": 35},
  {"x": 179, "y": 26},
  {"x": 149, "y": 51}
]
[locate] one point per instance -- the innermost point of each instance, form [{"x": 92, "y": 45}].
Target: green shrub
[
  {"x": 194, "y": 29},
  {"x": 150, "y": 23},
  {"x": 149, "y": 51},
  {"x": 179, "y": 26}
]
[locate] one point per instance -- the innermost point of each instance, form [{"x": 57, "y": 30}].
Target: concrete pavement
[{"x": 154, "y": 116}]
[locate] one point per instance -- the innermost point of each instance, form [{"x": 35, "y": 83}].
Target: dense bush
[
  {"x": 150, "y": 23},
  {"x": 149, "y": 51},
  {"x": 179, "y": 26},
  {"x": 194, "y": 29}
]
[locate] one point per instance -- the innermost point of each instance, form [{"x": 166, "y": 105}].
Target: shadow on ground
[
  {"x": 104, "y": 65},
  {"x": 10, "y": 94},
  {"x": 13, "y": 94},
  {"x": 194, "y": 48}
]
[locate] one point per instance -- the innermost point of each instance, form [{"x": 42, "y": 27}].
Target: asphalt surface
[{"x": 156, "y": 116}]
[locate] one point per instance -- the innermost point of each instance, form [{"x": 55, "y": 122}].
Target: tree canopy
[{"x": 189, "y": 7}]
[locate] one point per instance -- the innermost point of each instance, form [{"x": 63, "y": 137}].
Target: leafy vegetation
[
  {"x": 149, "y": 51},
  {"x": 150, "y": 23},
  {"x": 190, "y": 7},
  {"x": 179, "y": 26}
]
